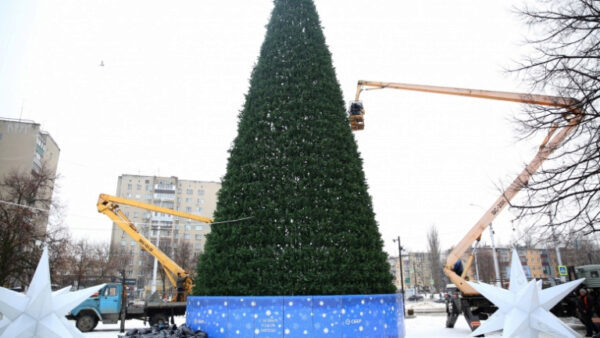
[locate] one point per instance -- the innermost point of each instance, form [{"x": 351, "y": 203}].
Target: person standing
[{"x": 585, "y": 308}]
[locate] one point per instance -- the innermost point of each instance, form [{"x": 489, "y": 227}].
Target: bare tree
[
  {"x": 102, "y": 262},
  {"x": 60, "y": 256},
  {"x": 183, "y": 254},
  {"x": 24, "y": 209},
  {"x": 82, "y": 267},
  {"x": 166, "y": 248},
  {"x": 485, "y": 262},
  {"x": 435, "y": 257},
  {"x": 565, "y": 193}
]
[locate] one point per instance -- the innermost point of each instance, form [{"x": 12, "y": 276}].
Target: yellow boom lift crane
[
  {"x": 179, "y": 278},
  {"x": 471, "y": 303}
]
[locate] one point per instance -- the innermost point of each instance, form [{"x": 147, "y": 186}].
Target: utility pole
[
  {"x": 400, "y": 248},
  {"x": 154, "y": 268},
  {"x": 496, "y": 268},
  {"x": 123, "y": 310},
  {"x": 476, "y": 246},
  {"x": 556, "y": 243}
]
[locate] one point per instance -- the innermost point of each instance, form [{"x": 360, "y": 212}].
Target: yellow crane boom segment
[
  {"x": 179, "y": 278},
  {"x": 550, "y": 143}
]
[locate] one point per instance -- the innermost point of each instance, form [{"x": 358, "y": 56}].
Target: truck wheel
[
  {"x": 159, "y": 319},
  {"x": 86, "y": 322}
]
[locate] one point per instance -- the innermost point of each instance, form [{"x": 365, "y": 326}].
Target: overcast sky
[{"x": 175, "y": 74}]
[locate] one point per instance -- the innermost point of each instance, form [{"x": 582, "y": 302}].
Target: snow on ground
[
  {"x": 421, "y": 326},
  {"x": 434, "y": 325},
  {"x": 112, "y": 330}
]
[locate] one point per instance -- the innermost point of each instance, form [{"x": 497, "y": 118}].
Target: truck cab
[{"x": 105, "y": 306}]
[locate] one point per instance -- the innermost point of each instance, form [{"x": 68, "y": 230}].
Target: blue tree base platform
[{"x": 298, "y": 316}]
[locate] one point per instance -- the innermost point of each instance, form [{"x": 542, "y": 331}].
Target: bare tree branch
[{"x": 566, "y": 61}]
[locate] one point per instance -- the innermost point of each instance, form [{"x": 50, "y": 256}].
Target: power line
[{"x": 23, "y": 206}]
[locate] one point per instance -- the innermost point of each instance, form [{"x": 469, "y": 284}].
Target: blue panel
[
  {"x": 297, "y": 316},
  {"x": 374, "y": 322},
  {"x": 215, "y": 315},
  {"x": 394, "y": 316},
  {"x": 241, "y": 317},
  {"x": 327, "y": 316},
  {"x": 351, "y": 319},
  {"x": 193, "y": 317},
  {"x": 268, "y": 316}
]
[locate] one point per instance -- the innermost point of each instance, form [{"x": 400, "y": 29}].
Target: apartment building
[
  {"x": 537, "y": 263},
  {"x": 416, "y": 270},
  {"x": 174, "y": 235},
  {"x": 26, "y": 148}
]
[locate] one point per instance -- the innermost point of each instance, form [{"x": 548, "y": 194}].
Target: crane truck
[
  {"x": 105, "y": 306},
  {"x": 467, "y": 301}
]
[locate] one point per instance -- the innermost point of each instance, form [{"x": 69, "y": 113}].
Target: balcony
[
  {"x": 162, "y": 196},
  {"x": 160, "y": 217},
  {"x": 168, "y": 188}
]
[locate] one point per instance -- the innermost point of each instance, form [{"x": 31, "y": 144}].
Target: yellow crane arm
[
  {"x": 110, "y": 206},
  {"x": 551, "y": 142},
  {"x": 542, "y": 100}
]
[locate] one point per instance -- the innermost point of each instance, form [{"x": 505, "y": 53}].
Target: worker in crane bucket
[{"x": 356, "y": 108}]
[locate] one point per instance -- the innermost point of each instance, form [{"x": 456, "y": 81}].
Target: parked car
[{"x": 416, "y": 297}]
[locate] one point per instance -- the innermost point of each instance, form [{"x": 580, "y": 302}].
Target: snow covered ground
[{"x": 421, "y": 326}]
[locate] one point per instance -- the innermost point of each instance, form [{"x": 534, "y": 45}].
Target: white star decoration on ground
[
  {"x": 524, "y": 309},
  {"x": 40, "y": 312}
]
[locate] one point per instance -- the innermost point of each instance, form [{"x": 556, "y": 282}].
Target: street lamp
[{"x": 400, "y": 248}]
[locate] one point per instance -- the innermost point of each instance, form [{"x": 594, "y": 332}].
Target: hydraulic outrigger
[{"x": 556, "y": 135}]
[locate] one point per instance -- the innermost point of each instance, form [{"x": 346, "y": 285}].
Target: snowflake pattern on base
[{"x": 298, "y": 316}]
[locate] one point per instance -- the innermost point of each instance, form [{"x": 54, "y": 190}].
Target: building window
[
  {"x": 200, "y": 192},
  {"x": 198, "y": 246},
  {"x": 189, "y": 191},
  {"x": 199, "y": 227},
  {"x": 188, "y": 209},
  {"x": 200, "y": 201},
  {"x": 189, "y": 200},
  {"x": 198, "y": 237},
  {"x": 186, "y": 236},
  {"x": 129, "y": 187},
  {"x": 188, "y": 227},
  {"x": 139, "y": 187},
  {"x": 199, "y": 210},
  {"x": 137, "y": 196},
  {"x": 123, "y": 243}
]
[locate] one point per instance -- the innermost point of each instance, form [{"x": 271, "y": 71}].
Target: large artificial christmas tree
[{"x": 294, "y": 168}]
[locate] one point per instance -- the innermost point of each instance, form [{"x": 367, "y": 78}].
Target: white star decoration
[
  {"x": 524, "y": 309},
  {"x": 40, "y": 312}
]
